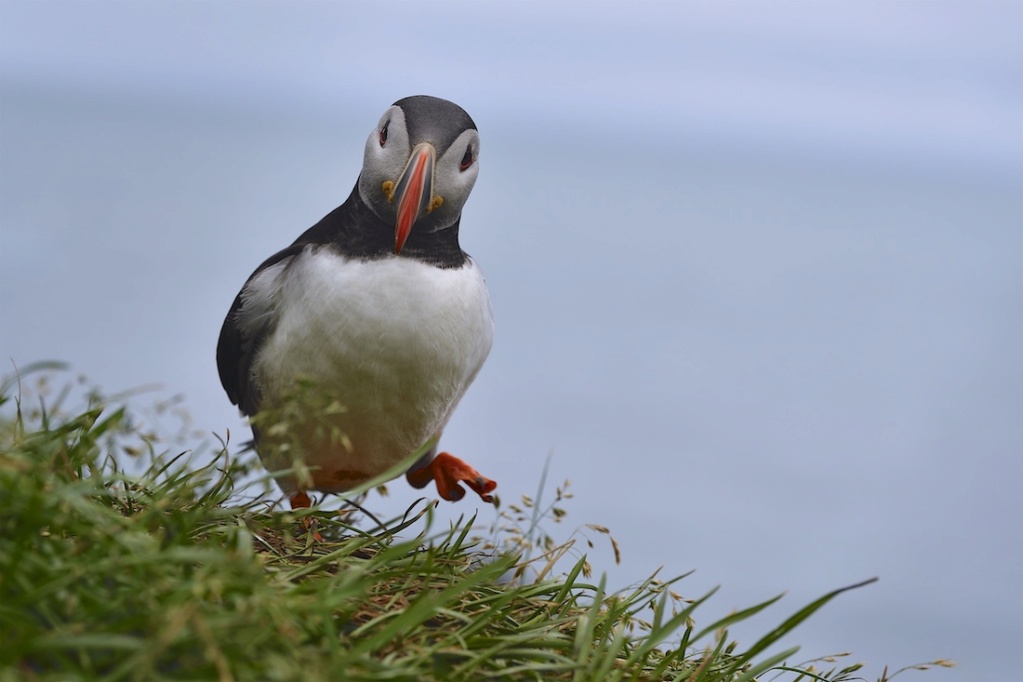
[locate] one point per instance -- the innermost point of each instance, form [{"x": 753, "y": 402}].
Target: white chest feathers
[{"x": 395, "y": 341}]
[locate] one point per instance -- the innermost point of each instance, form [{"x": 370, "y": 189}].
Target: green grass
[{"x": 173, "y": 573}]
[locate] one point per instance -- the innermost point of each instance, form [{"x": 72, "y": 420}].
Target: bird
[{"x": 378, "y": 311}]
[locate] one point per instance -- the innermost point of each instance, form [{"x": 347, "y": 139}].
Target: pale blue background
[{"x": 756, "y": 266}]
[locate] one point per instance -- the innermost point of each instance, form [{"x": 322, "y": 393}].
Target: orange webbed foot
[
  {"x": 448, "y": 471},
  {"x": 300, "y": 500}
]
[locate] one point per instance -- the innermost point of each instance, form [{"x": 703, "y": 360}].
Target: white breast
[{"x": 396, "y": 341}]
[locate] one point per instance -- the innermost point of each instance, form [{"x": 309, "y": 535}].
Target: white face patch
[
  {"x": 387, "y": 153},
  {"x": 453, "y": 180},
  {"x": 385, "y": 156}
]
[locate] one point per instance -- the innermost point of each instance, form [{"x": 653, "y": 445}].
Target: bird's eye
[
  {"x": 383, "y": 133},
  {"x": 466, "y": 159}
]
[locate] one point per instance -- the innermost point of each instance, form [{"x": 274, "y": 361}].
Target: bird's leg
[
  {"x": 300, "y": 500},
  {"x": 448, "y": 471}
]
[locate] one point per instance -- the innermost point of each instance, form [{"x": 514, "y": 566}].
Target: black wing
[
  {"x": 239, "y": 341},
  {"x": 242, "y": 335}
]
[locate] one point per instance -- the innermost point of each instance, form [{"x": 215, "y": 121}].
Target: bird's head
[{"x": 420, "y": 164}]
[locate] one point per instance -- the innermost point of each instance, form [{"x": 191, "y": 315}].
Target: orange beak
[{"x": 414, "y": 192}]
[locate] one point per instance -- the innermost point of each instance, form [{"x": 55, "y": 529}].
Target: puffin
[{"x": 369, "y": 328}]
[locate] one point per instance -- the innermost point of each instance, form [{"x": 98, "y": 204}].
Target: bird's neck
[{"x": 355, "y": 231}]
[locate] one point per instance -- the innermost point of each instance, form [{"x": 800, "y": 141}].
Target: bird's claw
[{"x": 448, "y": 471}]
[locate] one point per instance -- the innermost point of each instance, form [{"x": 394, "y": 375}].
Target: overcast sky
[{"x": 755, "y": 267}]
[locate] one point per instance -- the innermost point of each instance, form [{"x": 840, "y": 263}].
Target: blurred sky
[{"x": 756, "y": 267}]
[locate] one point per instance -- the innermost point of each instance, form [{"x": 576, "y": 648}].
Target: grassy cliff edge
[{"x": 172, "y": 573}]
